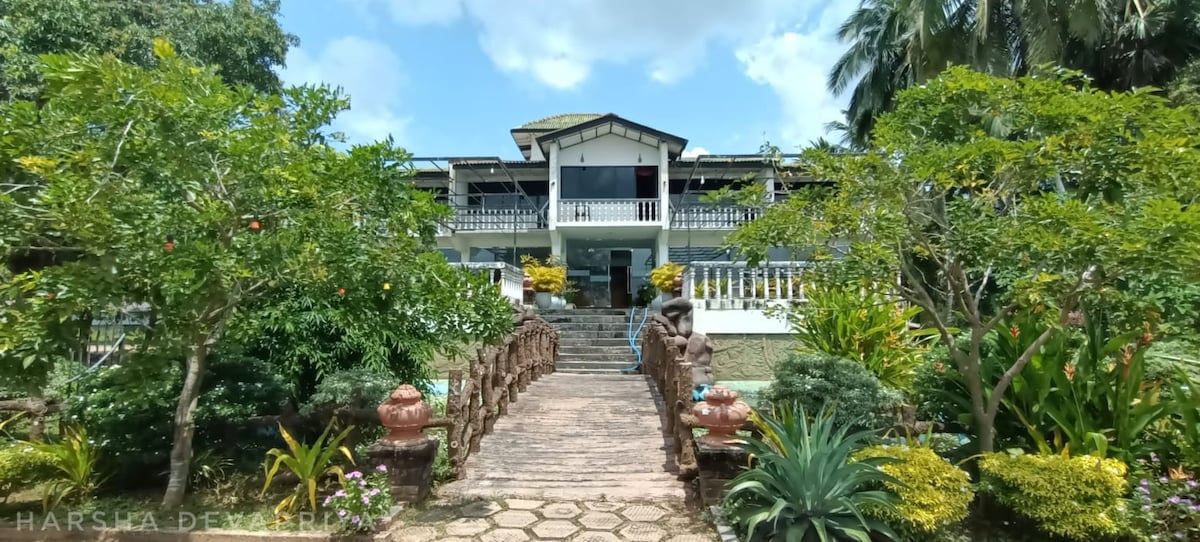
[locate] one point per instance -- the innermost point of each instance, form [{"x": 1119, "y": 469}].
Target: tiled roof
[{"x": 558, "y": 122}]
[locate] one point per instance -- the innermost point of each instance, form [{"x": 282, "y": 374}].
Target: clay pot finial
[
  {"x": 404, "y": 414},
  {"x": 722, "y": 414}
]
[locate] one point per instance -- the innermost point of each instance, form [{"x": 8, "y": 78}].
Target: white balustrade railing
[
  {"x": 508, "y": 277},
  {"x": 607, "y": 211},
  {"x": 484, "y": 219},
  {"x": 731, "y": 285},
  {"x": 709, "y": 217}
]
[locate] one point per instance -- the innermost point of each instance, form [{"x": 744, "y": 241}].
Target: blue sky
[{"x": 451, "y": 77}]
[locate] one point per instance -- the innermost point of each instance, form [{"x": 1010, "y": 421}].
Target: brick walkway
[
  {"x": 576, "y": 437},
  {"x": 520, "y": 520}
]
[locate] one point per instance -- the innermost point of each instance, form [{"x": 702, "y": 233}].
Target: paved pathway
[
  {"x": 519, "y": 520},
  {"x": 576, "y": 437}
]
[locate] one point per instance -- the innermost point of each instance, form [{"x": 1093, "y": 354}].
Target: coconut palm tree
[{"x": 1120, "y": 44}]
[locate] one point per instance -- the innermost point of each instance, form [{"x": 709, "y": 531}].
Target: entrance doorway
[{"x": 607, "y": 273}]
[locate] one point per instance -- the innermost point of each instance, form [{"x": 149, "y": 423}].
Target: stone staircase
[{"x": 592, "y": 341}]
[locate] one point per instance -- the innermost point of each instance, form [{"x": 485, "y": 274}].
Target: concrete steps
[
  {"x": 576, "y": 437},
  {"x": 592, "y": 341}
]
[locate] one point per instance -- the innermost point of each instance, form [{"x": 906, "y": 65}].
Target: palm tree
[{"x": 1120, "y": 44}]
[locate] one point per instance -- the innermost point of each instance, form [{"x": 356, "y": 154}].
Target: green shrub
[
  {"x": 815, "y": 381},
  {"x": 22, "y": 467},
  {"x": 804, "y": 487},
  {"x": 934, "y": 494},
  {"x": 863, "y": 325},
  {"x": 128, "y": 410},
  {"x": 1078, "y": 498}
]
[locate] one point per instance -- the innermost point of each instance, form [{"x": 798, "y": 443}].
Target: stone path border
[{"x": 521, "y": 520}]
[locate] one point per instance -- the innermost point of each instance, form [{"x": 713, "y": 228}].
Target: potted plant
[
  {"x": 665, "y": 277},
  {"x": 549, "y": 278},
  {"x": 568, "y": 295}
]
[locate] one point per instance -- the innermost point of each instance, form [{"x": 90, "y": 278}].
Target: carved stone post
[
  {"x": 722, "y": 413},
  {"x": 405, "y": 451}
]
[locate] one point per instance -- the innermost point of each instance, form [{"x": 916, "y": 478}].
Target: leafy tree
[
  {"x": 895, "y": 44},
  {"x": 992, "y": 197},
  {"x": 199, "y": 200},
  {"x": 242, "y": 37}
]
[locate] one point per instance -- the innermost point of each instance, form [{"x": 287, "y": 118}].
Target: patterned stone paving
[{"x": 523, "y": 520}]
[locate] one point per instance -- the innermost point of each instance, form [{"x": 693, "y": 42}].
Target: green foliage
[
  {"x": 309, "y": 463},
  {"x": 896, "y": 44},
  {"x": 549, "y": 276},
  {"x": 862, "y": 325},
  {"x": 345, "y": 387},
  {"x": 803, "y": 486},
  {"x": 74, "y": 460},
  {"x": 821, "y": 381},
  {"x": 23, "y": 467},
  {"x": 934, "y": 494},
  {"x": 127, "y": 409},
  {"x": 242, "y": 37},
  {"x": 994, "y": 197},
  {"x": 207, "y": 203},
  {"x": 1079, "y": 498},
  {"x": 663, "y": 276}
]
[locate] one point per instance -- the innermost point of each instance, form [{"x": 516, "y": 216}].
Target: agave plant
[
  {"x": 309, "y": 463},
  {"x": 802, "y": 485}
]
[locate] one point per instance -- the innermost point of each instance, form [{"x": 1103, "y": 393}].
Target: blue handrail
[{"x": 633, "y": 335}]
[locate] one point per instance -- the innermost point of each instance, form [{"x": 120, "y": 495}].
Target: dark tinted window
[{"x": 609, "y": 182}]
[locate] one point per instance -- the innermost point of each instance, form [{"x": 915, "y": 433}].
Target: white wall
[
  {"x": 749, "y": 322},
  {"x": 609, "y": 150}
]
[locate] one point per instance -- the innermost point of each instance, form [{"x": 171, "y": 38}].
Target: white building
[{"x": 613, "y": 199}]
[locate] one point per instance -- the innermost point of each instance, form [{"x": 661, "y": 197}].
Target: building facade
[{"x": 613, "y": 199}]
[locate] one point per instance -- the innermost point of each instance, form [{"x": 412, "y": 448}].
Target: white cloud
[
  {"x": 788, "y": 45},
  {"x": 795, "y": 64},
  {"x": 695, "y": 151},
  {"x": 559, "y": 41},
  {"x": 369, "y": 72}
]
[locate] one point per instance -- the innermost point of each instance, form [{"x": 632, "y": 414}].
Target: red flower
[
  {"x": 1070, "y": 372},
  {"x": 255, "y": 225},
  {"x": 341, "y": 291},
  {"x": 169, "y": 246},
  {"x": 1014, "y": 331}
]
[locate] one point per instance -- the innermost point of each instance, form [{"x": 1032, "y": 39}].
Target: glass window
[
  {"x": 609, "y": 182},
  {"x": 505, "y": 254}
]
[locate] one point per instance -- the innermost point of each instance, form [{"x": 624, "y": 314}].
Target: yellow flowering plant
[
  {"x": 663, "y": 276},
  {"x": 549, "y": 276}
]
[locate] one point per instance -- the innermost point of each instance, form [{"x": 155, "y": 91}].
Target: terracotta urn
[
  {"x": 527, "y": 283},
  {"x": 677, "y": 285},
  {"x": 404, "y": 414},
  {"x": 722, "y": 414}
]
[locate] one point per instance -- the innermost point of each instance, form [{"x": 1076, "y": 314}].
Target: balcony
[
  {"x": 609, "y": 211},
  {"x": 483, "y": 219},
  {"x": 712, "y": 217}
]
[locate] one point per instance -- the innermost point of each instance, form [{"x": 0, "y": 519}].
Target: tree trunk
[{"x": 185, "y": 423}]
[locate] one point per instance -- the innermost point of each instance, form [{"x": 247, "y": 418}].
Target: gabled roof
[
  {"x": 558, "y": 122},
  {"x": 611, "y": 124}
]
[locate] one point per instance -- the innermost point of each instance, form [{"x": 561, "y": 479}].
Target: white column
[
  {"x": 768, "y": 175},
  {"x": 556, "y": 244},
  {"x": 664, "y": 246},
  {"x": 458, "y": 194},
  {"x": 552, "y": 212},
  {"x": 464, "y": 250},
  {"x": 664, "y": 187}
]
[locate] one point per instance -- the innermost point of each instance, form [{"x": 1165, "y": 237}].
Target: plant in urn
[
  {"x": 722, "y": 414},
  {"x": 404, "y": 414}
]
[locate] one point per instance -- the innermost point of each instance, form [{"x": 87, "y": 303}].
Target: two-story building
[{"x": 611, "y": 197}]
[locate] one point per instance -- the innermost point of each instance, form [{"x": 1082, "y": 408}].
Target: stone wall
[{"x": 748, "y": 357}]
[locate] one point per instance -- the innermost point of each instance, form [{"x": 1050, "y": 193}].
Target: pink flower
[
  {"x": 354, "y": 474},
  {"x": 339, "y": 493},
  {"x": 354, "y": 519},
  {"x": 373, "y": 492},
  {"x": 341, "y": 513},
  {"x": 381, "y": 468}
]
